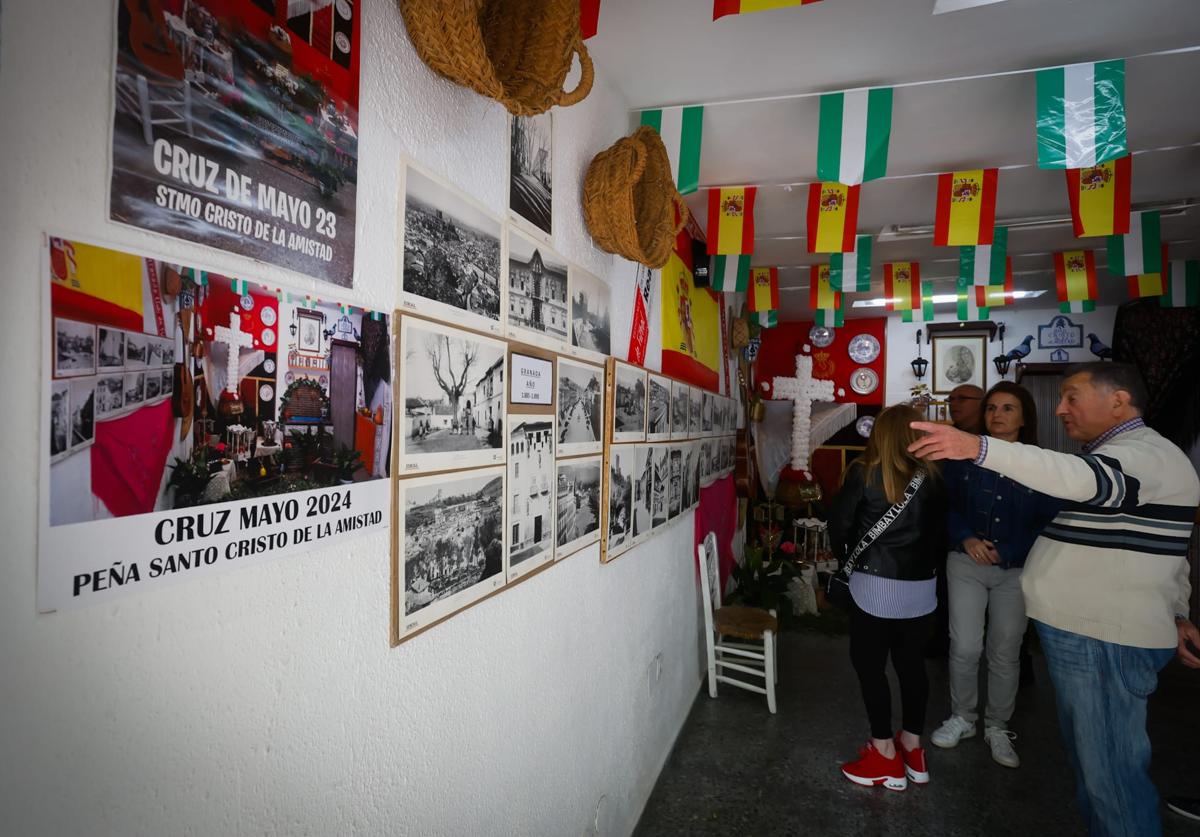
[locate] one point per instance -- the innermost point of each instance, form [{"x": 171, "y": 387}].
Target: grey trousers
[{"x": 975, "y": 592}]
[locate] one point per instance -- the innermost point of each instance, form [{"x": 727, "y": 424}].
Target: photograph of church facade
[
  {"x": 531, "y": 485},
  {"x": 537, "y": 288}
]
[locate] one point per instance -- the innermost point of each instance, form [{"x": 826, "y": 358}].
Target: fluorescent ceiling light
[
  {"x": 942, "y": 6},
  {"x": 897, "y": 232},
  {"x": 880, "y": 301}
]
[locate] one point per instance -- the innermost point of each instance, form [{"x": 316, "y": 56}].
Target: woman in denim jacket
[{"x": 993, "y": 523}]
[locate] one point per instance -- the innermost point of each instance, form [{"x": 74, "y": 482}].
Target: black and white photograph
[
  {"x": 658, "y": 410},
  {"x": 696, "y": 404},
  {"x": 629, "y": 403},
  {"x": 153, "y": 385},
  {"x": 660, "y": 484},
  {"x": 679, "y": 409},
  {"x": 621, "y": 463},
  {"x": 168, "y": 383},
  {"x": 706, "y": 413},
  {"x": 74, "y": 348},
  {"x": 136, "y": 350},
  {"x": 154, "y": 358},
  {"x": 531, "y": 493},
  {"x": 450, "y": 533},
  {"x": 578, "y": 505},
  {"x": 135, "y": 389},
  {"x": 531, "y": 170},
  {"x": 83, "y": 413},
  {"x": 704, "y": 464},
  {"x": 690, "y": 474},
  {"x": 453, "y": 392},
  {"x": 167, "y": 346},
  {"x": 643, "y": 485},
  {"x": 675, "y": 486},
  {"x": 537, "y": 291},
  {"x": 959, "y": 360},
  {"x": 591, "y": 317},
  {"x": 451, "y": 261},
  {"x": 719, "y": 414},
  {"x": 111, "y": 342},
  {"x": 60, "y": 418},
  {"x": 580, "y": 408},
  {"x": 110, "y": 396}
]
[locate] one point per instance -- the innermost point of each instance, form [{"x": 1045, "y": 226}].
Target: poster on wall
[
  {"x": 196, "y": 422},
  {"x": 235, "y": 125}
]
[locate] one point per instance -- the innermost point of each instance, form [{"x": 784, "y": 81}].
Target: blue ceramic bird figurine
[
  {"x": 1022, "y": 349},
  {"x": 1099, "y": 349}
]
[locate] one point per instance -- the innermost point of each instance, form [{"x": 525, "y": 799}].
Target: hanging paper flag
[
  {"x": 986, "y": 264},
  {"x": 681, "y": 130},
  {"x": 730, "y": 273},
  {"x": 970, "y": 301},
  {"x": 731, "y": 221},
  {"x": 997, "y": 295},
  {"x": 1075, "y": 277},
  {"x": 825, "y": 302},
  {"x": 1100, "y": 198},
  {"x": 923, "y": 313},
  {"x": 1140, "y": 250},
  {"x": 902, "y": 285},
  {"x": 852, "y": 140},
  {"x": 239, "y": 286},
  {"x": 832, "y": 217},
  {"x": 1148, "y": 284},
  {"x": 741, "y": 7},
  {"x": 1182, "y": 288},
  {"x": 589, "y": 17},
  {"x": 852, "y": 271},
  {"x": 344, "y": 309},
  {"x": 966, "y": 208},
  {"x": 766, "y": 319},
  {"x": 764, "y": 289},
  {"x": 1081, "y": 115}
]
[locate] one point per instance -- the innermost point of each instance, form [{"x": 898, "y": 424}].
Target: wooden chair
[{"x": 755, "y": 658}]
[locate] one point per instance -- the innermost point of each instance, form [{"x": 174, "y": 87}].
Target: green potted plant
[
  {"x": 346, "y": 461},
  {"x": 189, "y": 478},
  {"x": 763, "y": 582}
]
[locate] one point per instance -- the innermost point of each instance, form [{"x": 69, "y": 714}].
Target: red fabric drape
[
  {"x": 129, "y": 456},
  {"x": 718, "y": 513}
]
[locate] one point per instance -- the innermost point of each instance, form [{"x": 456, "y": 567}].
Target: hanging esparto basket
[
  {"x": 630, "y": 202},
  {"x": 517, "y": 52}
]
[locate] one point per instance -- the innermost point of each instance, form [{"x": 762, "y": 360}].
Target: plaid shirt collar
[{"x": 1115, "y": 430}]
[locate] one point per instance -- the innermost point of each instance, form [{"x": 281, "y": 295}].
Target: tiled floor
[{"x": 737, "y": 770}]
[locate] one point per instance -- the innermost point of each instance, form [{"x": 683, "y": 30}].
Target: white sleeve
[{"x": 1085, "y": 478}]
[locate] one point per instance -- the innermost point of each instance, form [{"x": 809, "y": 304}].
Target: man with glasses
[{"x": 966, "y": 408}]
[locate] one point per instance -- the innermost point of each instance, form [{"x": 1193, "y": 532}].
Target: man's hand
[
  {"x": 943, "y": 442},
  {"x": 983, "y": 552},
  {"x": 1188, "y": 633}
]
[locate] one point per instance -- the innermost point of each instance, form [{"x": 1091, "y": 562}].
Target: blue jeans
[{"x": 1101, "y": 690}]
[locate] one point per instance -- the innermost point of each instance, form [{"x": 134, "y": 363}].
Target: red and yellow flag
[
  {"x": 821, "y": 295},
  {"x": 832, "y": 217},
  {"x": 1075, "y": 275},
  {"x": 996, "y": 296},
  {"x": 902, "y": 285},
  {"x": 1100, "y": 197},
  {"x": 966, "y": 208},
  {"x": 763, "y": 294},
  {"x": 731, "y": 221},
  {"x": 741, "y": 7},
  {"x": 1149, "y": 284}
]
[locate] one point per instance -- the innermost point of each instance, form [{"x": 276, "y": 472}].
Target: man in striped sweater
[{"x": 1106, "y": 583}]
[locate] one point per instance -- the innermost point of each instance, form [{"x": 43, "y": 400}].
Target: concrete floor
[{"x": 736, "y": 769}]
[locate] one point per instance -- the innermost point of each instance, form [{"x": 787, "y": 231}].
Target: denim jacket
[{"x": 985, "y": 505}]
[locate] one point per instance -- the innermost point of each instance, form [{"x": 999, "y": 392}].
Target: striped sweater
[{"x": 1112, "y": 565}]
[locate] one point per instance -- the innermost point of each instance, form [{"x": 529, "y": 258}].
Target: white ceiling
[{"x": 670, "y": 52}]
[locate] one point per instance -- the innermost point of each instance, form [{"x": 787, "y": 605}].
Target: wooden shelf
[{"x": 960, "y": 328}]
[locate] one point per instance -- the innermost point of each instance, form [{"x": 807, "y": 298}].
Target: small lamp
[
  {"x": 1002, "y": 361},
  {"x": 919, "y": 364}
]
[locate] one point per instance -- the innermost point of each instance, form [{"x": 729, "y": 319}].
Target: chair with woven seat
[{"x": 756, "y": 657}]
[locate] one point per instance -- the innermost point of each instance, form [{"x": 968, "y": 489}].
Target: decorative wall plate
[
  {"x": 820, "y": 336},
  {"x": 864, "y": 381},
  {"x": 864, "y": 425},
  {"x": 863, "y": 348}
]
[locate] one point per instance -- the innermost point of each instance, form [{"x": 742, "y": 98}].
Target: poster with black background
[{"x": 235, "y": 125}]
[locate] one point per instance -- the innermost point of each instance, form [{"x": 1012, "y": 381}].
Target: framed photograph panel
[
  {"x": 110, "y": 396},
  {"x": 695, "y": 404},
  {"x": 643, "y": 483},
  {"x": 591, "y": 314},
  {"x": 60, "y": 419},
  {"x": 111, "y": 343},
  {"x": 660, "y": 484},
  {"x": 74, "y": 348},
  {"x": 958, "y": 360},
  {"x": 658, "y": 409},
  {"x": 629, "y": 403},
  {"x": 580, "y": 408},
  {"x": 531, "y": 173},
  {"x": 619, "y": 516},
  {"x": 679, "y": 410},
  {"x": 577, "y": 505},
  {"x": 137, "y": 350},
  {"x": 537, "y": 292},
  {"x": 531, "y": 493}
]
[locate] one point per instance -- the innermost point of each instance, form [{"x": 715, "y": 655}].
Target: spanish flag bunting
[
  {"x": 763, "y": 294},
  {"x": 1148, "y": 284},
  {"x": 825, "y": 302},
  {"x": 924, "y": 312},
  {"x": 851, "y": 271},
  {"x": 1075, "y": 276},
  {"x": 730, "y": 273},
  {"x": 741, "y": 7},
  {"x": 970, "y": 301},
  {"x": 589, "y": 17},
  {"x": 997, "y": 295},
  {"x": 902, "y": 285},
  {"x": 832, "y": 217},
  {"x": 766, "y": 319},
  {"x": 966, "y": 208},
  {"x": 1099, "y": 197},
  {"x": 1138, "y": 251},
  {"x": 731, "y": 221},
  {"x": 986, "y": 264},
  {"x": 1182, "y": 287}
]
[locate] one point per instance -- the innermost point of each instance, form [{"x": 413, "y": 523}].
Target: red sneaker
[
  {"x": 914, "y": 763},
  {"x": 872, "y": 768}
]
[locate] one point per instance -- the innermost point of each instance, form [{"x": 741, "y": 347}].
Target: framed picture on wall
[
  {"x": 629, "y": 403},
  {"x": 958, "y": 360},
  {"x": 531, "y": 172},
  {"x": 580, "y": 408}
]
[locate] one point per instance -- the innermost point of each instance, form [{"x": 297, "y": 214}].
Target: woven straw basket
[
  {"x": 630, "y": 199},
  {"x": 517, "y": 52}
]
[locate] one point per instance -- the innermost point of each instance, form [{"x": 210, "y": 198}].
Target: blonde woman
[{"x": 894, "y": 590}]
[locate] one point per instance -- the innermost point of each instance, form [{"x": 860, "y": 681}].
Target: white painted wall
[
  {"x": 267, "y": 700},
  {"x": 1019, "y": 321}
]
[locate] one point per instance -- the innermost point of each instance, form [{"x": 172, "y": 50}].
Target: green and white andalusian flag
[
  {"x": 729, "y": 273},
  {"x": 766, "y": 319},
  {"x": 924, "y": 314},
  {"x": 852, "y": 271},
  {"x": 852, "y": 142},
  {"x": 968, "y": 301},
  {"x": 1081, "y": 115},
  {"x": 681, "y": 130},
  {"x": 1182, "y": 285},
  {"x": 1138, "y": 252},
  {"x": 985, "y": 264}
]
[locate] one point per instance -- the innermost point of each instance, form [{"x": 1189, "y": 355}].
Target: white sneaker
[
  {"x": 1000, "y": 740},
  {"x": 953, "y": 729}
]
